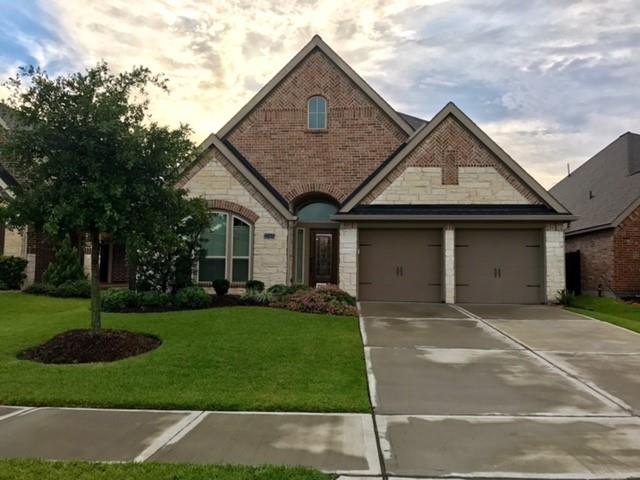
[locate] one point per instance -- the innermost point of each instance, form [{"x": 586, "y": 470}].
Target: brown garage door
[
  {"x": 400, "y": 265},
  {"x": 498, "y": 266}
]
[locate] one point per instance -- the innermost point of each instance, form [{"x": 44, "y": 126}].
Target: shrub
[
  {"x": 221, "y": 286},
  {"x": 255, "y": 286},
  {"x": 332, "y": 293},
  {"x": 154, "y": 300},
  {"x": 119, "y": 299},
  {"x": 38, "y": 289},
  {"x": 565, "y": 298},
  {"x": 12, "y": 272},
  {"x": 321, "y": 300},
  {"x": 76, "y": 288},
  {"x": 254, "y": 297},
  {"x": 66, "y": 266},
  {"x": 192, "y": 297},
  {"x": 280, "y": 290}
]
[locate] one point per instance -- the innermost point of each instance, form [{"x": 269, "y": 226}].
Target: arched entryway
[{"x": 315, "y": 241}]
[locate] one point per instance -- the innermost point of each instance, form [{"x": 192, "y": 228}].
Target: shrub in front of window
[
  {"x": 254, "y": 286},
  {"x": 12, "y": 272},
  {"x": 221, "y": 286},
  {"x": 280, "y": 290},
  {"x": 255, "y": 297},
  {"x": 66, "y": 266},
  {"x": 192, "y": 298}
]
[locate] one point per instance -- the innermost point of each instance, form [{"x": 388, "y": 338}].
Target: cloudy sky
[{"x": 551, "y": 81}]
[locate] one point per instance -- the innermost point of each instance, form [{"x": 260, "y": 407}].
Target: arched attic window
[
  {"x": 227, "y": 246},
  {"x": 317, "y": 212},
  {"x": 317, "y": 113}
]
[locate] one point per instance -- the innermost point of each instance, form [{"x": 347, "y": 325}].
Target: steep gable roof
[
  {"x": 604, "y": 189},
  {"x": 316, "y": 43},
  {"x": 419, "y": 135}
]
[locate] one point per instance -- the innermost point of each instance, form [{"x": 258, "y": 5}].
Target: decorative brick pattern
[
  {"x": 450, "y": 136},
  {"x": 449, "y": 270},
  {"x": 596, "y": 259},
  {"x": 348, "y": 263},
  {"x": 626, "y": 245},
  {"x": 554, "y": 261},
  {"x": 275, "y": 139},
  {"x": 219, "y": 181},
  {"x": 473, "y": 185},
  {"x": 233, "y": 208}
]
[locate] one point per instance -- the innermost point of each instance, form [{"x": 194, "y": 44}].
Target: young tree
[{"x": 92, "y": 159}]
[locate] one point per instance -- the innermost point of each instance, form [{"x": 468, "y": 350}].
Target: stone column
[
  {"x": 348, "y": 266},
  {"x": 448, "y": 271},
  {"x": 554, "y": 260}
]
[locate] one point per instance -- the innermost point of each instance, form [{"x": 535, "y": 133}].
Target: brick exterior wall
[
  {"x": 275, "y": 139},
  {"x": 220, "y": 184},
  {"x": 448, "y": 148},
  {"x": 596, "y": 259},
  {"x": 626, "y": 247},
  {"x": 473, "y": 185}
]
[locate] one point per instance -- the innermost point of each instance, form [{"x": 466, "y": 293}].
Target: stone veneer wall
[
  {"x": 452, "y": 148},
  {"x": 449, "y": 260},
  {"x": 554, "y": 261},
  {"x": 14, "y": 243},
  {"x": 476, "y": 185},
  {"x": 217, "y": 180},
  {"x": 348, "y": 262}
]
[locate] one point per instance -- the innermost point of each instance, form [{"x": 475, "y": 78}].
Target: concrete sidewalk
[{"x": 335, "y": 443}]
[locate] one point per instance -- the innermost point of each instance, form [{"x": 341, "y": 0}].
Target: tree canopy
[{"x": 89, "y": 156}]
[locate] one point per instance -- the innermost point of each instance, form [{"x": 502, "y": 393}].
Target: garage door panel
[
  {"x": 498, "y": 266},
  {"x": 400, "y": 265}
]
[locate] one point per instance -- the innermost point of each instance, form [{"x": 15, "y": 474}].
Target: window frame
[
  {"x": 325, "y": 112},
  {"x": 229, "y": 256},
  {"x": 300, "y": 256}
]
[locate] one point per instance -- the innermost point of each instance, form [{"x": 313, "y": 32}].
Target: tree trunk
[{"x": 95, "y": 282}]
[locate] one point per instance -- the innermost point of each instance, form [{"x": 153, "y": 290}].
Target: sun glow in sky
[{"x": 551, "y": 81}]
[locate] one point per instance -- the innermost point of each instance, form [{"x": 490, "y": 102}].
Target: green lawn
[
  {"x": 609, "y": 310},
  {"x": 239, "y": 358},
  {"x": 39, "y": 470}
]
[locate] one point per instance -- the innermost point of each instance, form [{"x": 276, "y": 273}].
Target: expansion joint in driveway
[
  {"x": 567, "y": 373},
  {"x": 371, "y": 393}
]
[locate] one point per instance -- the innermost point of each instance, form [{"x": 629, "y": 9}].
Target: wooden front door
[{"x": 323, "y": 258}]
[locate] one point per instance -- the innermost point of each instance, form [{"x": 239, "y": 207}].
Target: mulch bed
[{"x": 81, "y": 346}]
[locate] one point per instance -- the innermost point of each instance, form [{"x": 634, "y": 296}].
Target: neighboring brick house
[
  {"x": 605, "y": 195},
  {"x": 35, "y": 246},
  {"x": 318, "y": 180}
]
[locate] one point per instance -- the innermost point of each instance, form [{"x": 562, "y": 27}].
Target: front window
[
  {"x": 226, "y": 246},
  {"x": 317, "y": 113}
]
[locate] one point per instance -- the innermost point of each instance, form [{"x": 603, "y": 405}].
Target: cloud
[{"x": 551, "y": 81}]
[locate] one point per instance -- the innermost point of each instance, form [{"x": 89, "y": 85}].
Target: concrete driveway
[{"x": 502, "y": 391}]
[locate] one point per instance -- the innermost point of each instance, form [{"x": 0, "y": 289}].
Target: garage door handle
[
  {"x": 495, "y": 273},
  {"x": 499, "y": 272},
  {"x": 401, "y": 271},
  {"x": 397, "y": 271}
]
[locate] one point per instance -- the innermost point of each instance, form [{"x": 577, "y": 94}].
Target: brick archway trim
[
  {"x": 233, "y": 207},
  {"x": 311, "y": 188}
]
